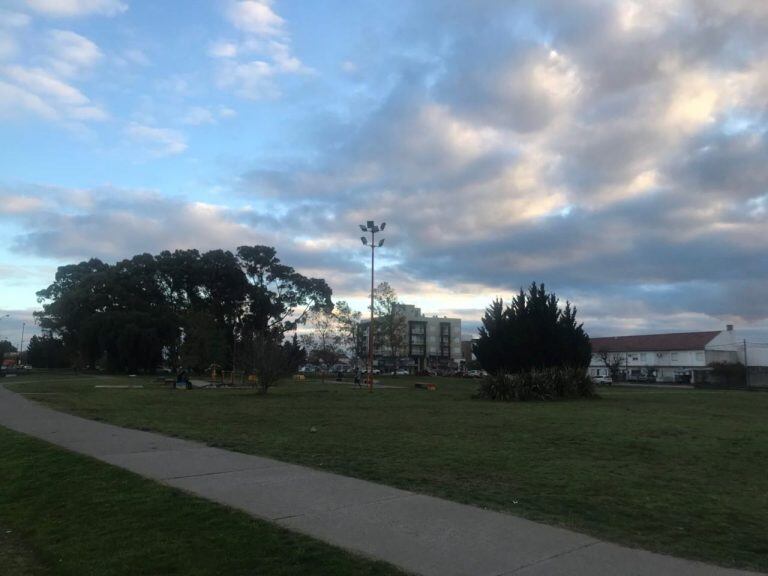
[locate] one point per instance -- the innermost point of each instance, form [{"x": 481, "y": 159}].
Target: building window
[
  {"x": 642, "y": 357},
  {"x": 674, "y": 356}
]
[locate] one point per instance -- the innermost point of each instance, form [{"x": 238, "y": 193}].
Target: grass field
[
  {"x": 15, "y": 558},
  {"x": 66, "y": 514},
  {"x": 677, "y": 471}
]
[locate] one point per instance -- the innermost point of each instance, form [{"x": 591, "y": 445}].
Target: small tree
[
  {"x": 325, "y": 339},
  {"x": 392, "y": 325},
  {"x": 612, "y": 361},
  {"x": 47, "y": 352},
  {"x": 275, "y": 360},
  {"x": 349, "y": 325},
  {"x": 6, "y": 348},
  {"x": 533, "y": 332}
]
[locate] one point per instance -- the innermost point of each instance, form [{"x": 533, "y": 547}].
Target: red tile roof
[{"x": 654, "y": 342}]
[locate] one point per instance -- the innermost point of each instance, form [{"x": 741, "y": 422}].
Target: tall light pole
[
  {"x": 371, "y": 227},
  {"x": 21, "y": 345}
]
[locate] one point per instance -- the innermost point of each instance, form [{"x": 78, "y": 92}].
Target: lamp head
[
  {"x": 381, "y": 242},
  {"x": 364, "y": 240},
  {"x": 363, "y": 228},
  {"x": 383, "y": 225},
  {"x": 369, "y": 224}
]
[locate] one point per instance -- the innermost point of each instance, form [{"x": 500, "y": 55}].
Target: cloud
[
  {"x": 616, "y": 153},
  {"x": 15, "y": 101},
  {"x": 11, "y": 20},
  {"x": 37, "y": 91},
  {"x": 255, "y": 17},
  {"x": 18, "y": 320},
  {"x": 76, "y": 8},
  {"x": 223, "y": 49},
  {"x": 70, "y": 53},
  {"x": 115, "y": 223},
  {"x": 20, "y": 204},
  {"x": 252, "y": 67},
  {"x": 47, "y": 89},
  {"x": 200, "y": 115},
  {"x": 136, "y": 56},
  {"x": 10, "y": 25},
  {"x": 160, "y": 141}
]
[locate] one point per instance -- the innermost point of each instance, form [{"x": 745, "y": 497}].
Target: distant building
[
  {"x": 466, "y": 350},
  {"x": 428, "y": 342},
  {"x": 679, "y": 357}
]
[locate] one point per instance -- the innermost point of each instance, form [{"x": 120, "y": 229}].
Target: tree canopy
[
  {"x": 185, "y": 306},
  {"x": 391, "y": 325},
  {"x": 47, "y": 352},
  {"x": 533, "y": 332},
  {"x": 6, "y": 347}
]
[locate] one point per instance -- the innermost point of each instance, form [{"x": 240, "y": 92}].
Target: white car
[
  {"x": 401, "y": 372},
  {"x": 602, "y": 380}
]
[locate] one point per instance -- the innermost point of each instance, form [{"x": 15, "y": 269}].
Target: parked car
[
  {"x": 603, "y": 380},
  {"x": 401, "y": 372}
]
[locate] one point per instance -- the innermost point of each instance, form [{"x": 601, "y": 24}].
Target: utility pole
[
  {"x": 371, "y": 227},
  {"x": 21, "y": 345},
  {"x": 746, "y": 365}
]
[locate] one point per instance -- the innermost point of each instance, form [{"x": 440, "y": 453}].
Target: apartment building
[{"x": 426, "y": 342}]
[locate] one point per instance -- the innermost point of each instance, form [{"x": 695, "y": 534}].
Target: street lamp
[{"x": 371, "y": 227}]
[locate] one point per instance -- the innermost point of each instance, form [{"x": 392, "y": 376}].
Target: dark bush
[{"x": 545, "y": 384}]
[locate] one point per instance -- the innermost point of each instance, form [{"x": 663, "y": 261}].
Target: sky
[{"x": 615, "y": 150}]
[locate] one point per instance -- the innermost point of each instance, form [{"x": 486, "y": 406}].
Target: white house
[{"x": 677, "y": 357}]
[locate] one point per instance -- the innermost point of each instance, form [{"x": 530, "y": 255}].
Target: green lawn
[
  {"x": 66, "y": 514},
  {"x": 678, "y": 471},
  {"x": 15, "y": 558}
]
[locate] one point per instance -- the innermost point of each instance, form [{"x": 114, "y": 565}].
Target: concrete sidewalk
[{"x": 418, "y": 533}]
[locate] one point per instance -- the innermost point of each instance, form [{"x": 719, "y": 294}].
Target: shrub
[{"x": 545, "y": 384}]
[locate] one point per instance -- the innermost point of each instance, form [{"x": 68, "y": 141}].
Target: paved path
[{"x": 419, "y": 533}]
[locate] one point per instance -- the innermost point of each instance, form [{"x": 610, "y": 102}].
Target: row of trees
[
  {"x": 336, "y": 335},
  {"x": 183, "y": 307},
  {"x": 234, "y": 309}
]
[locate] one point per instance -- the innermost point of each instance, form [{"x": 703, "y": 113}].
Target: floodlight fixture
[
  {"x": 375, "y": 229},
  {"x": 381, "y": 242},
  {"x": 364, "y": 240},
  {"x": 383, "y": 225},
  {"x": 370, "y": 224},
  {"x": 363, "y": 228}
]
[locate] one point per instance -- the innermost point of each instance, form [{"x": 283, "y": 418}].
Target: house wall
[
  {"x": 732, "y": 341},
  {"x": 665, "y": 365}
]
